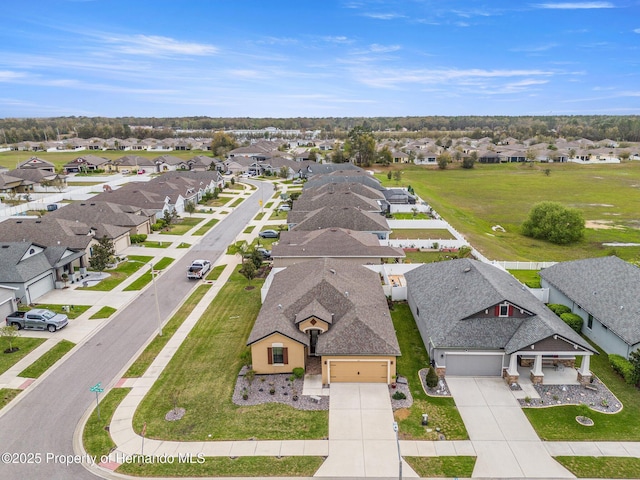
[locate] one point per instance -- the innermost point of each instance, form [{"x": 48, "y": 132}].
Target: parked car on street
[
  {"x": 268, "y": 234},
  {"x": 198, "y": 269},
  {"x": 265, "y": 253},
  {"x": 284, "y": 207}
]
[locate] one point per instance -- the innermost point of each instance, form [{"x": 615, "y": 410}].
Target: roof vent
[
  {"x": 346, "y": 294},
  {"x": 280, "y": 306},
  {"x": 332, "y": 271},
  {"x": 467, "y": 270}
]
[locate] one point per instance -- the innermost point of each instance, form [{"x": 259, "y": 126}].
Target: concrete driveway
[
  {"x": 505, "y": 442},
  {"x": 362, "y": 442}
]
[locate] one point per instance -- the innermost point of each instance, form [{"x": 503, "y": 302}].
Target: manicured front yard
[
  {"x": 41, "y": 365},
  {"x": 203, "y": 373},
  {"x": 446, "y": 467},
  {"x": 182, "y": 226},
  {"x": 442, "y": 411},
  {"x": 602, "y": 467},
  {"x": 74, "y": 310},
  {"x": 120, "y": 273},
  {"x": 421, "y": 234},
  {"x": 558, "y": 423},
  {"x": 26, "y": 346}
]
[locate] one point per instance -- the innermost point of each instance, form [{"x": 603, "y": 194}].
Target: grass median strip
[
  {"x": 601, "y": 467},
  {"x": 202, "y": 375},
  {"x": 104, "y": 312},
  {"x": 145, "y": 278},
  {"x": 149, "y": 354},
  {"x": 24, "y": 344},
  {"x": 41, "y": 365},
  {"x": 96, "y": 439},
  {"x": 442, "y": 411},
  {"x": 182, "y": 226},
  {"x": 227, "y": 467},
  {"x": 215, "y": 273},
  {"x": 120, "y": 273},
  {"x": 442, "y": 467},
  {"x": 206, "y": 227},
  {"x": 7, "y": 394}
]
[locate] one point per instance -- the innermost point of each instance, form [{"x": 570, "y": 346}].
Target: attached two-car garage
[
  {"x": 359, "y": 370},
  {"x": 465, "y": 364}
]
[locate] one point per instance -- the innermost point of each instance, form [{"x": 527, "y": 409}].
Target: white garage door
[
  {"x": 474, "y": 365},
  {"x": 362, "y": 371},
  {"x": 6, "y": 309},
  {"x": 40, "y": 287}
]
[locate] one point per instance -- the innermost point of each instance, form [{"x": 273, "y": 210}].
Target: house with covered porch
[{"x": 478, "y": 320}]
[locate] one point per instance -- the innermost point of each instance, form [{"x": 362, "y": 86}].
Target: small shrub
[
  {"x": 573, "y": 320},
  {"x": 245, "y": 357},
  {"x": 527, "y": 399},
  {"x": 298, "y": 372},
  {"x": 558, "y": 308},
  {"x": 398, "y": 396},
  {"x": 623, "y": 367},
  {"x": 272, "y": 391},
  {"x": 157, "y": 226},
  {"x": 138, "y": 237},
  {"x": 432, "y": 378}
]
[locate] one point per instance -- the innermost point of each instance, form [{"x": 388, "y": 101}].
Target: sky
[{"x": 329, "y": 58}]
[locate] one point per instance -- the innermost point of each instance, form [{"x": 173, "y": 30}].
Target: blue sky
[{"x": 318, "y": 58}]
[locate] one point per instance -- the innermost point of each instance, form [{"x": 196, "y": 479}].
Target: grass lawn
[
  {"x": 268, "y": 205},
  {"x": 41, "y": 365},
  {"x": 184, "y": 245},
  {"x": 120, "y": 273},
  {"x": 473, "y": 201},
  {"x": 182, "y": 226},
  {"x": 259, "y": 216},
  {"x": 529, "y": 277},
  {"x": 146, "y": 358},
  {"x": 104, "y": 312},
  {"x": 7, "y": 394},
  {"x": 278, "y": 215},
  {"x": 155, "y": 244},
  {"x": 245, "y": 467},
  {"x": 427, "y": 257},
  {"x": 97, "y": 440},
  {"x": 422, "y": 233},
  {"x": 236, "y": 202},
  {"x": 25, "y": 344},
  {"x": 249, "y": 229},
  {"x": 558, "y": 423},
  {"x": 442, "y": 467},
  {"x": 601, "y": 467},
  {"x": 215, "y": 272},
  {"x": 75, "y": 313},
  {"x": 203, "y": 373},
  {"x": 206, "y": 227},
  {"x": 443, "y": 412},
  {"x": 411, "y": 216}
]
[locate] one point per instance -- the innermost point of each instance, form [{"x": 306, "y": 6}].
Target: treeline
[{"x": 593, "y": 127}]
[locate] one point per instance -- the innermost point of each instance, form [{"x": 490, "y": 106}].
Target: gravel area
[
  {"x": 601, "y": 399},
  {"x": 402, "y": 386},
  {"x": 441, "y": 390}
]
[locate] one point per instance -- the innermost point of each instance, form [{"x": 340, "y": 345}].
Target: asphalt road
[{"x": 44, "y": 419}]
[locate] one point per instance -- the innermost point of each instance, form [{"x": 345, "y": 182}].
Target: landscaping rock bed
[
  {"x": 601, "y": 399},
  {"x": 441, "y": 390},
  {"x": 284, "y": 389},
  {"x": 402, "y": 386}
]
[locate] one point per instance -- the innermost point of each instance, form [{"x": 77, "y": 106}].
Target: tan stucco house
[{"x": 326, "y": 311}]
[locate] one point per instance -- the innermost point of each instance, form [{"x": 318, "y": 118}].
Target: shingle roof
[
  {"x": 360, "y": 320},
  {"x": 452, "y": 295},
  {"x": 354, "y": 187},
  {"x": 15, "y": 270},
  {"x": 307, "y": 202},
  {"x": 339, "y": 217},
  {"x": 608, "y": 288},
  {"x": 91, "y": 212},
  {"x": 332, "y": 242}
]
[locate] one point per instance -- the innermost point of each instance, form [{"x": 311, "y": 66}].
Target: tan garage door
[{"x": 358, "y": 371}]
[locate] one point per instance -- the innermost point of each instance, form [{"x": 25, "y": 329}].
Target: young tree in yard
[
  {"x": 385, "y": 156},
  {"x": 634, "y": 359},
  {"x": 283, "y": 172},
  {"x": 552, "y": 222},
  {"x": 248, "y": 270},
  {"x": 337, "y": 156},
  {"x": 169, "y": 217},
  {"x": 397, "y": 176},
  {"x": 470, "y": 161},
  {"x": 443, "y": 160},
  {"x": 389, "y": 175},
  {"x": 9, "y": 332},
  {"x": 102, "y": 253},
  {"x": 190, "y": 208},
  {"x": 361, "y": 146}
]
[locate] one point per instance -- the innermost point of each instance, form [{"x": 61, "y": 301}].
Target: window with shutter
[
  {"x": 285, "y": 355},
  {"x": 270, "y": 355}
]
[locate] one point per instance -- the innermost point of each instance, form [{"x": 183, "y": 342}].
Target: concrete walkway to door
[
  {"x": 505, "y": 442},
  {"x": 362, "y": 442}
]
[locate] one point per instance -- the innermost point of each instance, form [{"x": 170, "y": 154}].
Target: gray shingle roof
[
  {"x": 601, "y": 286},
  {"x": 308, "y": 203},
  {"x": 360, "y": 320},
  {"x": 15, "y": 270},
  {"x": 453, "y": 295},
  {"x": 339, "y": 217},
  {"x": 332, "y": 242}
]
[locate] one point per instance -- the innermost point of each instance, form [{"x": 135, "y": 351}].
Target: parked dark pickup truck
[{"x": 38, "y": 319}]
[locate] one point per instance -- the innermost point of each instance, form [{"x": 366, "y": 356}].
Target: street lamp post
[
  {"x": 395, "y": 429},
  {"x": 155, "y": 291}
]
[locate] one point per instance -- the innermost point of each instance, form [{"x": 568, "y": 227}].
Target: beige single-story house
[{"x": 330, "y": 312}]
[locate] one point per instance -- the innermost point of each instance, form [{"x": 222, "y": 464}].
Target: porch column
[
  {"x": 512, "y": 375},
  {"x": 584, "y": 374},
  {"x": 536, "y": 374}
]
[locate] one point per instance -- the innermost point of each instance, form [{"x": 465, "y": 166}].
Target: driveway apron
[
  {"x": 362, "y": 442},
  {"x": 505, "y": 442}
]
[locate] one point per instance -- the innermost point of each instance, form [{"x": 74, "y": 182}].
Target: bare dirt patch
[{"x": 600, "y": 224}]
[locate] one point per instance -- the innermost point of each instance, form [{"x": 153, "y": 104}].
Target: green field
[{"x": 473, "y": 201}]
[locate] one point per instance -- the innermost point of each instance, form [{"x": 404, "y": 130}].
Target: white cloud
[
  {"x": 534, "y": 49},
  {"x": 637, "y": 30},
  {"x": 383, "y": 16},
  {"x": 340, "y": 39},
  {"x": 155, "y": 45},
  {"x": 9, "y": 76},
  {"x": 575, "y": 5},
  {"x": 376, "y": 48}
]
